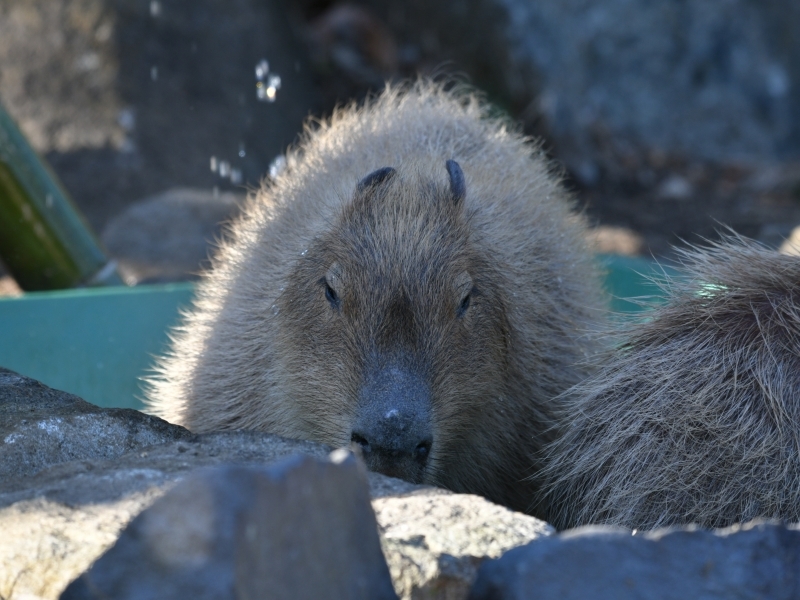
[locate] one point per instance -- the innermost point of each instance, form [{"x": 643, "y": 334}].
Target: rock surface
[
  {"x": 168, "y": 236},
  {"x": 301, "y": 528},
  {"x": 435, "y": 541},
  {"x": 715, "y": 80},
  {"x": 758, "y": 560},
  {"x": 41, "y": 427},
  {"x": 63, "y": 514},
  {"x": 127, "y": 99},
  {"x": 614, "y": 81}
]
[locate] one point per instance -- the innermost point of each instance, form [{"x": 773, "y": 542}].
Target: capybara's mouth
[{"x": 407, "y": 464}]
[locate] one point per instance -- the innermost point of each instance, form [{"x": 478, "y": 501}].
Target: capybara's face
[{"x": 393, "y": 327}]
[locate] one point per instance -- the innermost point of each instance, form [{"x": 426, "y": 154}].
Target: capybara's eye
[
  {"x": 462, "y": 308},
  {"x": 331, "y": 295}
]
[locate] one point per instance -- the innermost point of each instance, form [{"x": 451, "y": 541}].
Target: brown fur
[
  {"x": 262, "y": 349},
  {"x": 696, "y": 417}
]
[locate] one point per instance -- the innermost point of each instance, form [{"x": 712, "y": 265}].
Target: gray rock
[
  {"x": 611, "y": 81},
  {"x": 41, "y": 427},
  {"x": 57, "y": 68},
  {"x": 715, "y": 80},
  {"x": 61, "y": 513},
  {"x": 757, "y": 560},
  {"x": 302, "y": 528},
  {"x": 168, "y": 237},
  {"x": 130, "y": 98},
  {"x": 434, "y": 541},
  {"x": 64, "y": 517}
]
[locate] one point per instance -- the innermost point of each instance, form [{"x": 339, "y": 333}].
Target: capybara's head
[
  {"x": 375, "y": 293},
  {"x": 393, "y": 326}
]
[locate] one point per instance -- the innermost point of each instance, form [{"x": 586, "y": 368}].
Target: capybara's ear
[
  {"x": 458, "y": 187},
  {"x": 375, "y": 178}
]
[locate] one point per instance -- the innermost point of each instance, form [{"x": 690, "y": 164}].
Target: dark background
[{"x": 671, "y": 119}]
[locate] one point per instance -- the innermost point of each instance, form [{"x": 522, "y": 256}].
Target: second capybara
[
  {"x": 416, "y": 283},
  {"x": 695, "y": 416}
]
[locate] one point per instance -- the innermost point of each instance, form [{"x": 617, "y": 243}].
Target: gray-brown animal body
[
  {"x": 695, "y": 418},
  {"x": 416, "y": 283}
]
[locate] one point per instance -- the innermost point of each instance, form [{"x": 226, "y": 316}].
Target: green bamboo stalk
[{"x": 44, "y": 241}]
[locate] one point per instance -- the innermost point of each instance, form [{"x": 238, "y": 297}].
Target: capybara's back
[
  {"x": 695, "y": 418},
  {"x": 415, "y": 283}
]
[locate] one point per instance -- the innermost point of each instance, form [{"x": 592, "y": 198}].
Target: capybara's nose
[
  {"x": 395, "y": 453},
  {"x": 393, "y": 424}
]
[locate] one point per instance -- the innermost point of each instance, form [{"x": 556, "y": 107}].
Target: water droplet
[
  {"x": 275, "y": 310},
  {"x": 154, "y": 73},
  {"x": 213, "y": 164},
  {"x": 236, "y": 176},
  {"x": 126, "y": 119},
  {"x": 304, "y": 252},
  {"x": 224, "y": 168},
  {"x": 267, "y": 92},
  {"x": 262, "y": 68},
  {"x": 242, "y": 152},
  {"x": 155, "y": 8}
]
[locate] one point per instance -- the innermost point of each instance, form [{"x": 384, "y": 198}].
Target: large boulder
[
  {"x": 41, "y": 427},
  {"x": 127, "y": 99},
  {"x": 168, "y": 236},
  {"x": 757, "y": 560},
  {"x": 302, "y": 528},
  {"x": 62, "y": 508},
  {"x": 617, "y": 82}
]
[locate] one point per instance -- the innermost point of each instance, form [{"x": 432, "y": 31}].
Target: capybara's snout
[{"x": 392, "y": 428}]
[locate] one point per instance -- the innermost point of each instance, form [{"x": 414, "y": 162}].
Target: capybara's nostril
[
  {"x": 360, "y": 441},
  {"x": 394, "y": 452},
  {"x": 422, "y": 451}
]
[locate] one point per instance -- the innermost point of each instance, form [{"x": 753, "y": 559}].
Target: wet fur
[
  {"x": 695, "y": 417},
  {"x": 262, "y": 349}
]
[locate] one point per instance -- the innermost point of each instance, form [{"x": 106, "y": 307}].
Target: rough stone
[
  {"x": 611, "y": 82},
  {"x": 716, "y": 80},
  {"x": 168, "y": 236},
  {"x": 41, "y": 427},
  {"x": 608, "y": 239},
  {"x": 753, "y": 561},
  {"x": 302, "y": 528},
  {"x": 64, "y": 517},
  {"x": 127, "y": 99},
  {"x": 62, "y": 513},
  {"x": 434, "y": 541}
]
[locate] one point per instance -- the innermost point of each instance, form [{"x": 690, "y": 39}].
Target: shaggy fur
[
  {"x": 263, "y": 349},
  {"x": 696, "y": 417}
]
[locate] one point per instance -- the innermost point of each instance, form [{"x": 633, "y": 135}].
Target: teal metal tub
[{"x": 99, "y": 342}]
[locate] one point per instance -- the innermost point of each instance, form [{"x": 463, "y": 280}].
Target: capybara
[
  {"x": 695, "y": 417},
  {"x": 416, "y": 283}
]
